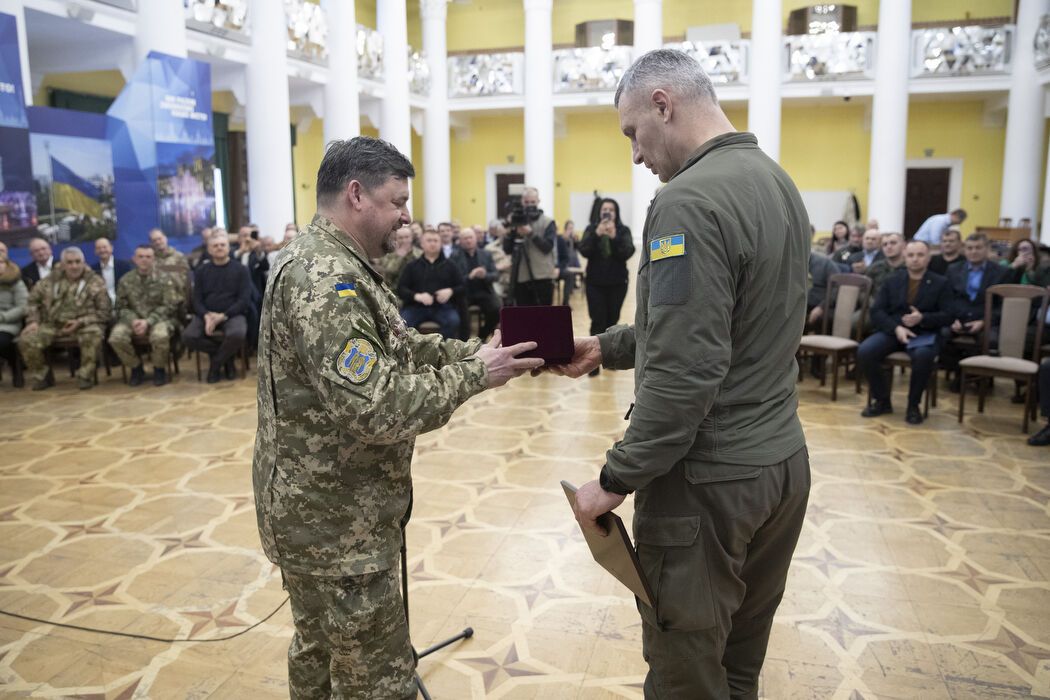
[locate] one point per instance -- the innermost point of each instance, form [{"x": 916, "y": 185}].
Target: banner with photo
[{"x": 17, "y": 203}]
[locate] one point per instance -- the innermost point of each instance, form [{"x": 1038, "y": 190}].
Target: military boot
[
  {"x": 160, "y": 376},
  {"x": 137, "y": 375},
  {"x": 85, "y": 383},
  {"x": 47, "y": 381}
]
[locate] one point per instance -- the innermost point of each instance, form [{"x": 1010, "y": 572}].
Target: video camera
[{"x": 515, "y": 213}]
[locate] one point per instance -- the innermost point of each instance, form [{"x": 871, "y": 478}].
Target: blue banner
[{"x": 12, "y": 94}]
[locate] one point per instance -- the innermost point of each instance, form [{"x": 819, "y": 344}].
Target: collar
[
  {"x": 979, "y": 268},
  {"x": 730, "y": 138},
  {"x": 328, "y": 227},
  {"x": 49, "y": 265},
  {"x": 107, "y": 265}
]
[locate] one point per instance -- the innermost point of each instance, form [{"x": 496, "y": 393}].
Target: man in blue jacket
[{"x": 910, "y": 309}]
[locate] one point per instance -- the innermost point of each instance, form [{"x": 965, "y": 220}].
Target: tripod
[{"x": 465, "y": 634}]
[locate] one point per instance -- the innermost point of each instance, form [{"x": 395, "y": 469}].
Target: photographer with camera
[
  {"x": 530, "y": 241},
  {"x": 607, "y": 244}
]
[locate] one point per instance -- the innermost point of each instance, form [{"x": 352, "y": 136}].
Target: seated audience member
[
  {"x": 568, "y": 259},
  {"x": 854, "y": 245},
  {"x": 448, "y": 239},
  {"x": 1022, "y": 266},
  {"x": 476, "y": 267},
  {"x": 1042, "y": 438},
  {"x": 199, "y": 255},
  {"x": 934, "y": 227},
  {"x": 146, "y": 306},
  {"x": 416, "y": 227},
  {"x": 951, "y": 251},
  {"x": 251, "y": 254},
  {"x": 71, "y": 303},
  {"x": 108, "y": 267},
  {"x": 502, "y": 261},
  {"x": 969, "y": 280},
  {"x": 911, "y": 308},
  {"x": 13, "y": 300},
  {"x": 892, "y": 260},
  {"x": 40, "y": 266},
  {"x": 821, "y": 268},
  {"x": 165, "y": 254},
  {"x": 427, "y": 286},
  {"x": 394, "y": 262},
  {"x": 482, "y": 235},
  {"x": 222, "y": 297},
  {"x": 870, "y": 252},
  {"x": 839, "y": 237}
]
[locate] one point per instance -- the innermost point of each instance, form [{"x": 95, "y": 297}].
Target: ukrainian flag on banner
[{"x": 72, "y": 192}]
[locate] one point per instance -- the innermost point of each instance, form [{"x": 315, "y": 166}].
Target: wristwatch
[{"x": 609, "y": 483}]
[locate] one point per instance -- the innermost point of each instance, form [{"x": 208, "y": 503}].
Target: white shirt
[
  {"x": 45, "y": 270},
  {"x": 448, "y": 249},
  {"x": 110, "y": 275},
  {"x": 933, "y": 228}
]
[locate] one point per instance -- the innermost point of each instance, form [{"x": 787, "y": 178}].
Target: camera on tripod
[{"x": 515, "y": 213}]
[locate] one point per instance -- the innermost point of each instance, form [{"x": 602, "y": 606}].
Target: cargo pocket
[
  {"x": 707, "y": 473},
  {"x": 673, "y": 559}
]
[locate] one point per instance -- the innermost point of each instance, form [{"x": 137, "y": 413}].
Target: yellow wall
[
  {"x": 416, "y": 156},
  {"x": 306, "y": 158},
  {"x": 485, "y": 24},
  {"x": 496, "y": 140},
  {"x": 106, "y": 83},
  {"x": 940, "y": 10},
  {"x": 566, "y": 15},
  {"x": 365, "y": 12},
  {"x": 593, "y": 155}
]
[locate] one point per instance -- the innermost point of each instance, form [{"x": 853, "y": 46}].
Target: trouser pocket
[{"x": 673, "y": 559}]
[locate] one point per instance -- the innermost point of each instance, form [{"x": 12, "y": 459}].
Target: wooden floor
[{"x": 922, "y": 571}]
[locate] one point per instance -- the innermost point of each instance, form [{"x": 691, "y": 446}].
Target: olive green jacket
[
  {"x": 154, "y": 297},
  {"x": 56, "y": 300},
  {"x": 718, "y": 319},
  {"x": 344, "y": 389}
]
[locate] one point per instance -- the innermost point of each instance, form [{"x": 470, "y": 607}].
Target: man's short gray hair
[
  {"x": 73, "y": 253},
  {"x": 667, "y": 68}
]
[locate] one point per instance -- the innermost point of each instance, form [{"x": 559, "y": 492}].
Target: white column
[
  {"x": 765, "y": 75},
  {"x": 437, "y": 190},
  {"x": 395, "y": 126},
  {"x": 539, "y": 102},
  {"x": 267, "y": 120},
  {"x": 648, "y": 35},
  {"x": 342, "y": 106},
  {"x": 889, "y": 117},
  {"x": 1022, "y": 157},
  {"x": 16, "y": 8},
  {"x": 160, "y": 25}
]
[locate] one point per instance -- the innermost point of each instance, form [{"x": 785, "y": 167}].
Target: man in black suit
[
  {"x": 910, "y": 309},
  {"x": 108, "y": 267},
  {"x": 969, "y": 280},
  {"x": 951, "y": 252},
  {"x": 40, "y": 266},
  {"x": 479, "y": 270}
]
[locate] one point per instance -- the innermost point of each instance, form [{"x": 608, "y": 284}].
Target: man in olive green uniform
[
  {"x": 71, "y": 302},
  {"x": 394, "y": 262},
  {"x": 344, "y": 389},
  {"x": 714, "y": 451},
  {"x": 146, "y": 304}
]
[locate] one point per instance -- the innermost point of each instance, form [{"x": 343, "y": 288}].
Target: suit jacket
[
  {"x": 958, "y": 275},
  {"x": 934, "y": 300},
  {"x": 464, "y": 265},
  {"x": 120, "y": 268},
  {"x": 31, "y": 275}
]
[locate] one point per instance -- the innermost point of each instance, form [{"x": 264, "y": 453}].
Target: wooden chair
[
  {"x": 846, "y": 290},
  {"x": 72, "y": 349},
  {"x": 242, "y": 354},
  {"x": 1010, "y": 362},
  {"x": 903, "y": 361}
]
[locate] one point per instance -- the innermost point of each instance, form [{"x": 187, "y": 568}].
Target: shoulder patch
[
  {"x": 356, "y": 361},
  {"x": 667, "y": 247},
  {"x": 346, "y": 289}
]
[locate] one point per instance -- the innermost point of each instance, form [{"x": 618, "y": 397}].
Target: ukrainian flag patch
[
  {"x": 667, "y": 247},
  {"x": 345, "y": 289}
]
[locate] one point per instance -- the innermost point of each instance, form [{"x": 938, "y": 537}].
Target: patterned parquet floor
[{"x": 922, "y": 571}]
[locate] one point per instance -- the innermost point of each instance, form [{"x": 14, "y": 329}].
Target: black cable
[{"x": 142, "y": 636}]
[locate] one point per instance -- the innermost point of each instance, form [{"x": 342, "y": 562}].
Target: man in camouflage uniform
[
  {"x": 146, "y": 304},
  {"x": 344, "y": 389},
  {"x": 71, "y": 302}
]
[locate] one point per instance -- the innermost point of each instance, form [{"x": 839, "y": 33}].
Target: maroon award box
[{"x": 549, "y": 326}]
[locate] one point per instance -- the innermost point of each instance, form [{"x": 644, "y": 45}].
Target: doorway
[
  {"x": 932, "y": 186},
  {"x": 498, "y": 179}
]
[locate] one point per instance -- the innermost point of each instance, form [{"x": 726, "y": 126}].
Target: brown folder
[{"x": 615, "y": 553}]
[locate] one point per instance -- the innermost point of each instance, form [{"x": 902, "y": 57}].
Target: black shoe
[
  {"x": 17, "y": 379},
  {"x": 160, "y": 376},
  {"x": 594, "y": 372},
  {"x": 137, "y": 375},
  {"x": 46, "y": 382},
  {"x": 1017, "y": 398},
  {"x": 954, "y": 384},
  {"x": 231, "y": 369},
  {"x": 877, "y": 408},
  {"x": 913, "y": 416},
  {"x": 85, "y": 384},
  {"x": 214, "y": 374},
  {"x": 1042, "y": 438}
]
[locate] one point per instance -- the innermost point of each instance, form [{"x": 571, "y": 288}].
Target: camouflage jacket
[
  {"x": 392, "y": 264},
  {"x": 879, "y": 271},
  {"x": 344, "y": 389},
  {"x": 56, "y": 300},
  {"x": 172, "y": 257},
  {"x": 153, "y": 297}
]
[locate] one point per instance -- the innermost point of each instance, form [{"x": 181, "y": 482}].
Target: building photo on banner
[{"x": 574, "y": 349}]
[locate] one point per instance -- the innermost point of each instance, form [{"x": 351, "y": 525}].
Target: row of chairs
[{"x": 841, "y": 334}]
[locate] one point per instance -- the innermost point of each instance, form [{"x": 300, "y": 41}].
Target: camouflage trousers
[
  {"x": 32, "y": 346},
  {"x": 350, "y": 640},
  {"x": 159, "y": 334}
]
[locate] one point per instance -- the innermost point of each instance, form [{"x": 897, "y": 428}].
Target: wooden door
[
  {"x": 503, "y": 183},
  {"x": 925, "y": 194}
]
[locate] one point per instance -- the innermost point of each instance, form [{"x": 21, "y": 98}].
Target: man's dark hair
[
  {"x": 977, "y": 238},
  {"x": 144, "y": 246},
  {"x": 920, "y": 242},
  {"x": 365, "y": 159},
  {"x": 959, "y": 214}
]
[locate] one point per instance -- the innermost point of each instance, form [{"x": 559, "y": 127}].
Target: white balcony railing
[
  {"x": 961, "y": 51},
  {"x": 226, "y": 18},
  {"x": 841, "y": 56},
  {"x": 307, "y": 30},
  {"x": 726, "y": 62},
  {"x": 369, "y": 53},
  {"x": 477, "y": 75},
  {"x": 1042, "y": 43},
  {"x": 592, "y": 69},
  {"x": 418, "y": 73}
]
